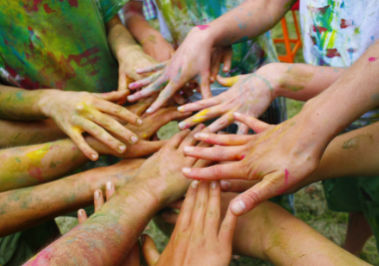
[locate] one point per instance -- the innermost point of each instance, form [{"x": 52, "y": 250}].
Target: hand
[
  {"x": 199, "y": 237},
  {"x": 157, "y": 47},
  {"x": 132, "y": 258},
  {"x": 78, "y": 112},
  {"x": 250, "y": 94},
  {"x": 192, "y": 59},
  {"x": 278, "y": 158},
  {"x": 130, "y": 59}
]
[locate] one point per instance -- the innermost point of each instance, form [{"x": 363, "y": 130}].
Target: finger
[
  {"x": 227, "y": 60},
  {"x": 271, "y": 185},
  {"x": 177, "y": 139},
  {"x": 179, "y": 99},
  {"x": 143, "y": 148},
  {"x": 112, "y": 96},
  {"x": 215, "y": 67},
  {"x": 113, "y": 127},
  {"x": 223, "y": 139},
  {"x": 98, "y": 199},
  {"x": 122, "y": 86},
  {"x": 216, "y": 153},
  {"x": 149, "y": 90},
  {"x": 231, "y": 170},
  {"x": 190, "y": 140},
  {"x": 149, "y": 250},
  {"x": 133, "y": 258},
  {"x": 221, "y": 123},
  {"x": 170, "y": 217},
  {"x": 144, "y": 82},
  {"x": 205, "y": 86},
  {"x": 151, "y": 68},
  {"x": 201, "y": 116},
  {"x": 199, "y": 105},
  {"x": 101, "y": 134},
  {"x": 177, "y": 204},
  {"x": 227, "y": 81},
  {"x": 228, "y": 227},
  {"x": 212, "y": 218},
  {"x": 242, "y": 129},
  {"x": 200, "y": 209},
  {"x": 117, "y": 111},
  {"x": 254, "y": 123},
  {"x": 82, "y": 216},
  {"x": 237, "y": 185},
  {"x": 165, "y": 95},
  {"x": 185, "y": 216},
  {"x": 79, "y": 140},
  {"x": 109, "y": 190}
]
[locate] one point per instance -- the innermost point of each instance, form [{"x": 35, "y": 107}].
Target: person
[
  {"x": 49, "y": 45},
  {"x": 247, "y": 55}
]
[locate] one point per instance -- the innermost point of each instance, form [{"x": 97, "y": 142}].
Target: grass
[{"x": 310, "y": 203}]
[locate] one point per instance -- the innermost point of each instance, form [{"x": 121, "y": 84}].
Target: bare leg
[{"x": 358, "y": 232}]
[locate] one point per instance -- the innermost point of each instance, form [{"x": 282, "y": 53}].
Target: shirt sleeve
[{"x": 109, "y": 8}]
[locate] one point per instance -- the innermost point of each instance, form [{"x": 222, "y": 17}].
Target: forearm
[
  {"x": 107, "y": 236},
  {"x": 25, "y": 207},
  {"x": 16, "y": 103},
  {"x": 271, "y": 233},
  {"x": 15, "y": 133},
  {"x": 119, "y": 38},
  {"x": 300, "y": 81},
  {"x": 249, "y": 19}
]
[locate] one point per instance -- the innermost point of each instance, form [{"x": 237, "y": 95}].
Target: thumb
[
  {"x": 149, "y": 250},
  {"x": 254, "y": 123},
  {"x": 227, "y": 81}
]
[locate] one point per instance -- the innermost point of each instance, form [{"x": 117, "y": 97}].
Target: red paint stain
[
  {"x": 203, "y": 27},
  {"x": 319, "y": 29},
  {"x": 286, "y": 176},
  {"x": 372, "y": 59},
  {"x": 36, "y": 173},
  {"x": 48, "y": 10},
  {"x": 242, "y": 156},
  {"x": 42, "y": 258},
  {"x": 332, "y": 53},
  {"x": 345, "y": 23}
]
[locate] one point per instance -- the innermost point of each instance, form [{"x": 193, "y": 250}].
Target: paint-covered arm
[
  {"x": 129, "y": 54},
  {"x": 253, "y": 93},
  {"x": 107, "y": 236},
  {"x": 271, "y": 233},
  {"x": 152, "y": 41},
  {"x": 25, "y": 207}
]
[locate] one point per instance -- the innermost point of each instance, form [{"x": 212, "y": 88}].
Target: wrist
[
  {"x": 46, "y": 97},
  {"x": 270, "y": 74}
]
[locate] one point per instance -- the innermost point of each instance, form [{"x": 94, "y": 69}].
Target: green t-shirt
[{"x": 57, "y": 44}]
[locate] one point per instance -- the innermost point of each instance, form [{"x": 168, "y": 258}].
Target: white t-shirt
[{"x": 337, "y": 32}]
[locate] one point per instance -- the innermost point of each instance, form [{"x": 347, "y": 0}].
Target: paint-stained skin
[{"x": 47, "y": 44}]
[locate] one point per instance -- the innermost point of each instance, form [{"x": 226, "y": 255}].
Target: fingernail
[
  {"x": 236, "y": 114},
  {"x": 121, "y": 148},
  {"x": 238, "y": 207},
  {"x": 180, "y": 109},
  {"x": 93, "y": 157},
  {"x": 201, "y": 135},
  {"x": 130, "y": 98},
  {"x": 225, "y": 185},
  {"x": 189, "y": 149},
  {"x": 81, "y": 212},
  {"x": 149, "y": 110},
  {"x": 97, "y": 194},
  {"x": 182, "y": 125},
  {"x": 108, "y": 185},
  {"x": 134, "y": 139},
  {"x": 194, "y": 184},
  {"x": 139, "y": 121},
  {"x": 186, "y": 170},
  {"x": 213, "y": 184}
]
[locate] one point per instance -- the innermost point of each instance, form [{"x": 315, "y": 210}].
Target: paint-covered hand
[
  {"x": 250, "y": 94},
  {"x": 79, "y": 112},
  {"x": 129, "y": 60},
  {"x": 277, "y": 158},
  {"x": 191, "y": 60},
  {"x": 199, "y": 237}
]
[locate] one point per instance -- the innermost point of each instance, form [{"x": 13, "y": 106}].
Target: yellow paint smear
[
  {"x": 228, "y": 82},
  {"x": 37, "y": 155},
  {"x": 200, "y": 116}
]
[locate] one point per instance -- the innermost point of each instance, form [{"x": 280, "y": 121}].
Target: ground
[{"x": 310, "y": 204}]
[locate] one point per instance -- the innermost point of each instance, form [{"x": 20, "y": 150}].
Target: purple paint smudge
[
  {"x": 203, "y": 27},
  {"x": 372, "y": 59}
]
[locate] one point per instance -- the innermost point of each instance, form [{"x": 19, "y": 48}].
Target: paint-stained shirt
[
  {"x": 337, "y": 32},
  {"x": 178, "y": 17},
  {"x": 57, "y": 44}
]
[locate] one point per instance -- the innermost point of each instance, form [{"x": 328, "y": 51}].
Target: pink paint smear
[
  {"x": 372, "y": 59},
  {"x": 203, "y": 27}
]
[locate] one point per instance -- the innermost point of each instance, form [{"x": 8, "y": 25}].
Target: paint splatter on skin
[
  {"x": 354, "y": 142},
  {"x": 372, "y": 59},
  {"x": 200, "y": 116},
  {"x": 202, "y": 27}
]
